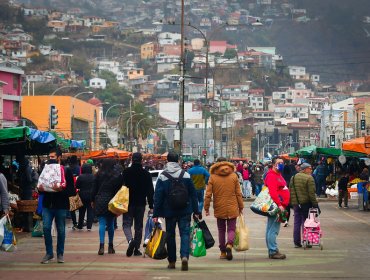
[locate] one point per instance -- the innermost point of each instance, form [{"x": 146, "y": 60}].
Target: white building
[
  {"x": 98, "y": 83},
  {"x": 169, "y": 110},
  {"x": 109, "y": 65},
  {"x": 166, "y": 62},
  {"x": 298, "y": 73},
  {"x": 168, "y": 38}
]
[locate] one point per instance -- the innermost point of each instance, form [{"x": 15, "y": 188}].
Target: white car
[{"x": 155, "y": 174}]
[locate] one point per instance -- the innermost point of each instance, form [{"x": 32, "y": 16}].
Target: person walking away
[
  {"x": 246, "y": 182},
  {"x": 107, "y": 183},
  {"x": 223, "y": 189},
  {"x": 279, "y": 193},
  {"x": 4, "y": 196},
  {"x": 141, "y": 191},
  {"x": 199, "y": 175},
  {"x": 76, "y": 171},
  {"x": 175, "y": 201},
  {"x": 320, "y": 174},
  {"x": 55, "y": 206},
  {"x": 258, "y": 173},
  {"x": 26, "y": 184},
  {"x": 84, "y": 185},
  {"x": 342, "y": 189},
  {"x": 302, "y": 198}
]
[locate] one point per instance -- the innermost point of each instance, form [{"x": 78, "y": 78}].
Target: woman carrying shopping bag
[
  {"x": 107, "y": 183},
  {"x": 223, "y": 186}
]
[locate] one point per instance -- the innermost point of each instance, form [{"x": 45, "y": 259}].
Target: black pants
[
  {"x": 135, "y": 215},
  {"x": 81, "y": 214}
]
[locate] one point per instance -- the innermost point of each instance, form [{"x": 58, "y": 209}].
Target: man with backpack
[{"x": 175, "y": 199}]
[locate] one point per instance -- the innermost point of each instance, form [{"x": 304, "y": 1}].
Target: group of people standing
[{"x": 221, "y": 186}]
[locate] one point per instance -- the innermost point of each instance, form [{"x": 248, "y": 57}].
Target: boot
[
  {"x": 101, "y": 249},
  {"x": 111, "y": 249},
  {"x": 229, "y": 253},
  {"x": 277, "y": 256}
]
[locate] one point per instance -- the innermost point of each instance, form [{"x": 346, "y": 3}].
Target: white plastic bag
[
  {"x": 9, "y": 241},
  {"x": 2, "y": 224}
]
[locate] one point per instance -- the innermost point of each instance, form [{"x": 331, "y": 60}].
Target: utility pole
[{"x": 182, "y": 85}]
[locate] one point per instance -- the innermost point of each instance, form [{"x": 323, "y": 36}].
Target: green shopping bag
[
  {"x": 38, "y": 229},
  {"x": 197, "y": 244}
]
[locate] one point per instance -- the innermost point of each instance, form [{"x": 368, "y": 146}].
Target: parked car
[{"x": 155, "y": 174}]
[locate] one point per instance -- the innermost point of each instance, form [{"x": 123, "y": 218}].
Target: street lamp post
[
  {"x": 106, "y": 123},
  {"x": 131, "y": 136},
  {"x": 137, "y": 126},
  {"x": 59, "y": 88}
]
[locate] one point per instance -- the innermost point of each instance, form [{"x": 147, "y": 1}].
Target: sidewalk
[{"x": 346, "y": 247}]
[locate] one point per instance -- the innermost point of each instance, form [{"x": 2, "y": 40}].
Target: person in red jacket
[{"x": 279, "y": 193}]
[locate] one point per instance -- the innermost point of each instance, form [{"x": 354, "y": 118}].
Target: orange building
[{"x": 77, "y": 119}]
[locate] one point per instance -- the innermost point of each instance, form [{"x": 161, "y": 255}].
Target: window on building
[
  {"x": 15, "y": 81},
  {"x": 15, "y": 109},
  {"x": 197, "y": 125},
  {"x": 362, "y": 115},
  {"x": 138, "y": 72}
]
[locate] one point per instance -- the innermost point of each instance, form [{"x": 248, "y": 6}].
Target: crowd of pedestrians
[{"x": 223, "y": 185}]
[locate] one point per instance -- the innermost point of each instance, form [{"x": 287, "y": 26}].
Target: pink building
[{"x": 10, "y": 94}]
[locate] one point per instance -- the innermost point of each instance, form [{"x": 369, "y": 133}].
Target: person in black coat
[
  {"x": 107, "y": 183},
  {"x": 84, "y": 185},
  {"x": 139, "y": 182}
]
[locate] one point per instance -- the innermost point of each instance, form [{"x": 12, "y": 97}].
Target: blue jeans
[
  {"x": 246, "y": 188},
  {"x": 184, "y": 228},
  {"x": 200, "y": 197},
  {"x": 106, "y": 222},
  {"x": 272, "y": 231},
  {"x": 48, "y": 216},
  {"x": 258, "y": 189}
]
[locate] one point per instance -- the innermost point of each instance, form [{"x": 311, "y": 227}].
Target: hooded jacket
[
  {"x": 85, "y": 183},
  {"x": 224, "y": 186},
  {"x": 161, "y": 206},
  {"x": 139, "y": 181}
]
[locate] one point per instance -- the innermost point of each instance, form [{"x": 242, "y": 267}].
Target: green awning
[
  {"x": 306, "y": 151},
  {"x": 14, "y": 133},
  {"x": 338, "y": 152},
  {"x": 64, "y": 143}
]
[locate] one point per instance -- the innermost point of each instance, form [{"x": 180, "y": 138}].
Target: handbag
[
  {"x": 197, "y": 245},
  {"x": 119, "y": 203},
  {"x": 9, "y": 241},
  {"x": 209, "y": 241},
  {"x": 38, "y": 229},
  {"x": 241, "y": 241},
  {"x": 156, "y": 247},
  {"x": 75, "y": 202},
  {"x": 263, "y": 204}
]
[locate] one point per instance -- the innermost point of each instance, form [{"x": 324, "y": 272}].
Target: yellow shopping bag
[{"x": 119, "y": 203}]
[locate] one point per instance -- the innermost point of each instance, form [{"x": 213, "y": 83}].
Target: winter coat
[
  {"x": 305, "y": 187},
  {"x": 278, "y": 189},
  {"x": 85, "y": 183},
  {"x": 161, "y": 206},
  {"x": 140, "y": 184},
  {"x": 60, "y": 200},
  {"x": 343, "y": 183},
  {"x": 258, "y": 176},
  {"x": 200, "y": 176},
  {"x": 105, "y": 188},
  {"x": 224, "y": 186},
  {"x": 26, "y": 182}
]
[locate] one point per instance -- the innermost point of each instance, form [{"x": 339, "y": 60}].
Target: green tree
[
  {"x": 81, "y": 66},
  {"x": 230, "y": 53}
]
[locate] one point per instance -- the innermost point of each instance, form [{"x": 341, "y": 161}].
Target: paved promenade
[{"x": 346, "y": 255}]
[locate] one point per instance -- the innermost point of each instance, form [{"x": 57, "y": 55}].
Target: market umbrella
[
  {"x": 306, "y": 151},
  {"x": 360, "y": 145}
]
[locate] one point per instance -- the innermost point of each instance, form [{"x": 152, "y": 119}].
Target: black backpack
[{"x": 178, "y": 194}]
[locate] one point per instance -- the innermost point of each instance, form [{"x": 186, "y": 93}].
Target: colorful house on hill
[{"x": 10, "y": 94}]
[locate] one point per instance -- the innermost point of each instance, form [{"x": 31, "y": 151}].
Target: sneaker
[
  {"x": 89, "y": 229},
  {"x": 60, "y": 259},
  {"x": 137, "y": 252},
  {"x": 223, "y": 255},
  {"x": 345, "y": 207},
  {"x": 171, "y": 265},
  {"x": 286, "y": 224},
  {"x": 184, "y": 264},
  {"x": 339, "y": 206},
  {"x": 47, "y": 258},
  {"x": 277, "y": 256},
  {"x": 297, "y": 245},
  {"x": 229, "y": 253},
  {"x": 131, "y": 247}
]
